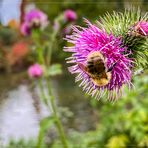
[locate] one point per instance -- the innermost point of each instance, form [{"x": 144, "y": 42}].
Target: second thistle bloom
[
  {"x": 141, "y": 28},
  {"x": 32, "y": 20},
  {"x": 112, "y": 68}
]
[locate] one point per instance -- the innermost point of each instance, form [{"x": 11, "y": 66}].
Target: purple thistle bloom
[
  {"x": 34, "y": 19},
  {"x": 70, "y": 15},
  {"x": 35, "y": 71},
  {"x": 92, "y": 39},
  {"x": 141, "y": 28}
]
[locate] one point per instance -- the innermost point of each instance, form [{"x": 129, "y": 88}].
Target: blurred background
[{"x": 89, "y": 123}]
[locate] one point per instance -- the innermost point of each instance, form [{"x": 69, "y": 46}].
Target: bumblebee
[{"x": 95, "y": 68}]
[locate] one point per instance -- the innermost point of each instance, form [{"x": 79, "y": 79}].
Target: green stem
[
  {"x": 54, "y": 110},
  {"x": 58, "y": 122},
  {"x": 53, "y": 36},
  {"x": 51, "y": 97},
  {"x": 43, "y": 95}
]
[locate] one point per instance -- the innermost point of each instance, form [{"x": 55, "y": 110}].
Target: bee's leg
[
  {"x": 111, "y": 68},
  {"x": 83, "y": 68}
]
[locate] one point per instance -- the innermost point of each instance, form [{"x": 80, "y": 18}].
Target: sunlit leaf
[
  {"x": 117, "y": 141},
  {"x": 55, "y": 69}
]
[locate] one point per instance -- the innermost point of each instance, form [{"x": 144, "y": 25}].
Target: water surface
[{"x": 21, "y": 109}]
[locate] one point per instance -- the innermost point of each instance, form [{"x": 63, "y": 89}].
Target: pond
[{"x": 21, "y": 110}]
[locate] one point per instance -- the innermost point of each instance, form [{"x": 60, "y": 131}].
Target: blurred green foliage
[
  {"x": 7, "y": 36},
  {"x": 21, "y": 144},
  {"x": 122, "y": 124},
  {"x": 91, "y": 9}
]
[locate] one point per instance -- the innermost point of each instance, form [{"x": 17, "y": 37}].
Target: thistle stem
[
  {"x": 43, "y": 95},
  {"x": 54, "y": 110},
  {"x": 51, "y": 102}
]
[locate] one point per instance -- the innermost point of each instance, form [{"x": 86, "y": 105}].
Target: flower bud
[
  {"x": 35, "y": 71},
  {"x": 70, "y": 15}
]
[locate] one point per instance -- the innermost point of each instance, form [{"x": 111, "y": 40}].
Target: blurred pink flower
[
  {"x": 35, "y": 71},
  {"x": 34, "y": 19},
  {"x": 141, "y": 28},
  {"x": 70, "y": 15}
]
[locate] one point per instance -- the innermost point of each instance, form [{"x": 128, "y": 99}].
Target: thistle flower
[
  {"x": 35, "y": 71},
  {"x": 92, "y": 39},
  {"x": 32, "y": 20},
  {"x": 70, "y": 15},
  {"x": 141, "y": 28}
]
